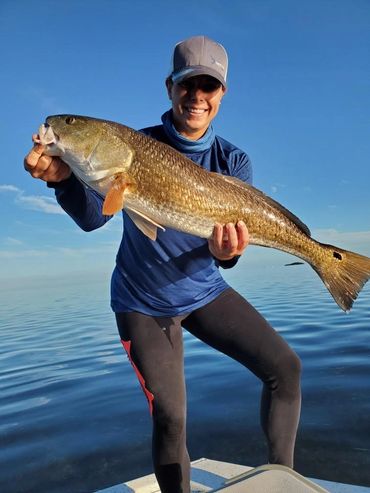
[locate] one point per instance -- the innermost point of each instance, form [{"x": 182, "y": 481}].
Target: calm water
[{"x": 73, "y": 418}]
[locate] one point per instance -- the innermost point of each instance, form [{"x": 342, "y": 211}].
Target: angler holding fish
[{"x": 182, "y": 222}]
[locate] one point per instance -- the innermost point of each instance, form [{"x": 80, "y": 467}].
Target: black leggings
[{"x": 231, "y": 325}]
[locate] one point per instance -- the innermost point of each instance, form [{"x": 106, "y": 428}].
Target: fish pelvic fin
[
  {"x": 345, "y": 274},
  {"x": 146, "y": 225},
  {"x": 114, "y": 200}
]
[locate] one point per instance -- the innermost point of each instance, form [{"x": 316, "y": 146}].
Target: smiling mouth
[{"x": 195, "y": 111}]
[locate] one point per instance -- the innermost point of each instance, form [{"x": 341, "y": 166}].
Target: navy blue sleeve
[
  {"x": 227, "y": 264},
  {"x": 80, "y": 202},
  {"x": 242, "y": 167}
]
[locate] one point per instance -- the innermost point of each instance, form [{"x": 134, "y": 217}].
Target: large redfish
[{"x": 159, "y": 187}]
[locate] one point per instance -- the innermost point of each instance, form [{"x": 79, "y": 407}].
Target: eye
[
  {"x": 211, "y": 86},
  {"x": 70, "y": 120},
  {"x": 184, "y": 85}
]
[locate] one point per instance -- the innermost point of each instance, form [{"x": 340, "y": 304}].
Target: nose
[{"x": 195, "y": 92}]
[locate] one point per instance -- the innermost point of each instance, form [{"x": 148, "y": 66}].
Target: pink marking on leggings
[{"x": 149, "y": 395}]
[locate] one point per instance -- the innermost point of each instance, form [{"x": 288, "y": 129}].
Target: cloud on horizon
[
  {"x": 13, "y": 241},
  {"x": 9, "y": 188},
  {"x": 65, "y": 252},
  {"x": 40, "y": 203}
]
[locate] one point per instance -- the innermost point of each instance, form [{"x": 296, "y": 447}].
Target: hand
[
  {"x": 47, "y": 168},
  {"x": 229, "y": 240}
]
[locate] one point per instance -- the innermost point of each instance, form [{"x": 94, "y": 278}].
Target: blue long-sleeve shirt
[{"x": 176, "y": 273}]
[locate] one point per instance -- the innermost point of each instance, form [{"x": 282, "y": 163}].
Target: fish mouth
[{"x": 46, "y": 135}]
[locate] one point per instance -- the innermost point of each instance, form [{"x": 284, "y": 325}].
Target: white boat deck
[{"x": 210, "y": 475}]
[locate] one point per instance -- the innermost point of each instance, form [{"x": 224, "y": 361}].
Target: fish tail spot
[{"x": 345, "y": 275}]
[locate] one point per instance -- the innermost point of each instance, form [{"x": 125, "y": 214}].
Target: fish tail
[{"x": 344, "y": 273}]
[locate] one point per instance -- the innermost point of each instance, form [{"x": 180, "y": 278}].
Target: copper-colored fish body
[{"x": 159, "y": 187}]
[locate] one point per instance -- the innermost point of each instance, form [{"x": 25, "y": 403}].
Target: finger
[
  {"x": 46, "y": 162},
  {"x": 232, "y": 242},
  {"x": 48, "y": 175},
  {"x": 217, "y": 236},
  {"x": 33, "y": 156},
  {"x": 225, "y": 236},
  {"x": 53, "y": 172},
  {"x": 243, "y": 236}
]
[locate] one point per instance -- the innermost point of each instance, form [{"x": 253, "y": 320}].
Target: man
[{"x": 160, "y": 286}]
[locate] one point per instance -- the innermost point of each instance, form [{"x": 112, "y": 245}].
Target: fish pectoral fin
[
  {"x": 146, "y": 225},
  {"x": 114, "y": 199}
]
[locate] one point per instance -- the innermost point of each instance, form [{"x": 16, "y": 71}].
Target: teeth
[{"x": 195, "y": 111}]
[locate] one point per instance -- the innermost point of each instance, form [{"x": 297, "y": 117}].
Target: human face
[{"x": 195, "y": 103}]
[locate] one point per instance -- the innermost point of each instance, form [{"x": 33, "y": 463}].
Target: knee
[
  {"x": 286, "y": 375},
  {"x": 292, "y": 365},
  {"x": 169, "y": 422},
  {"x": 289, "y": 373}
]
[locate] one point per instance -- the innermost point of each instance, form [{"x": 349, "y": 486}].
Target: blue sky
[{"x": 298, "y": 103}]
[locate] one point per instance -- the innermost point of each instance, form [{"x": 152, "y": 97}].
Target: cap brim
[{"x": 188, "y": 72}]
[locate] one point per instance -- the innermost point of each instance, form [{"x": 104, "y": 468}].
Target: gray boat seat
[{"x": 270, "y": 478}]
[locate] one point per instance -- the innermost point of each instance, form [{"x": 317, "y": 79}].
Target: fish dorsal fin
[
  {"x": 270, "y": 201},
  {"x": 146, "y": 225}
]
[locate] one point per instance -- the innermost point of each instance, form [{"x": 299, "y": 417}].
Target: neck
[
  {"x": 185, "y": 141},
  {"x": 190, "y": 134}
]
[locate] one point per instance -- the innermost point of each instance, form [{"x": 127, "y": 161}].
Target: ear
[
  {"x": 223, "y": 94},
  {"x": 169, "y": 85}
]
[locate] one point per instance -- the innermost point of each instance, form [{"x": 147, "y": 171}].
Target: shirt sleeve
[
  {"x": 242, "y": 167},
  {"x": 83, "y": 204},
  {"x": 227, "y": 264}
]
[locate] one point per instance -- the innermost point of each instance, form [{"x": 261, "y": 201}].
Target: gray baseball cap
[{"x": 199, "y": 55}]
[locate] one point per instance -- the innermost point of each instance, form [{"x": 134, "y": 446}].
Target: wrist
[
  {"x": 227, "y": 264},
  {"x": 224, "y": 258},
  {"x": 61, "y": 183}
]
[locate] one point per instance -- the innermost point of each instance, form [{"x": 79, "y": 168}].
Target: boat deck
[{"x": 210, "y": 475}]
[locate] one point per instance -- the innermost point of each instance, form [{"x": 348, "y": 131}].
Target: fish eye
[{"x": 70, "y": 120}]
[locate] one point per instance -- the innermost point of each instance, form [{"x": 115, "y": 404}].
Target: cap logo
[{"x": 215, "y": 62}]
